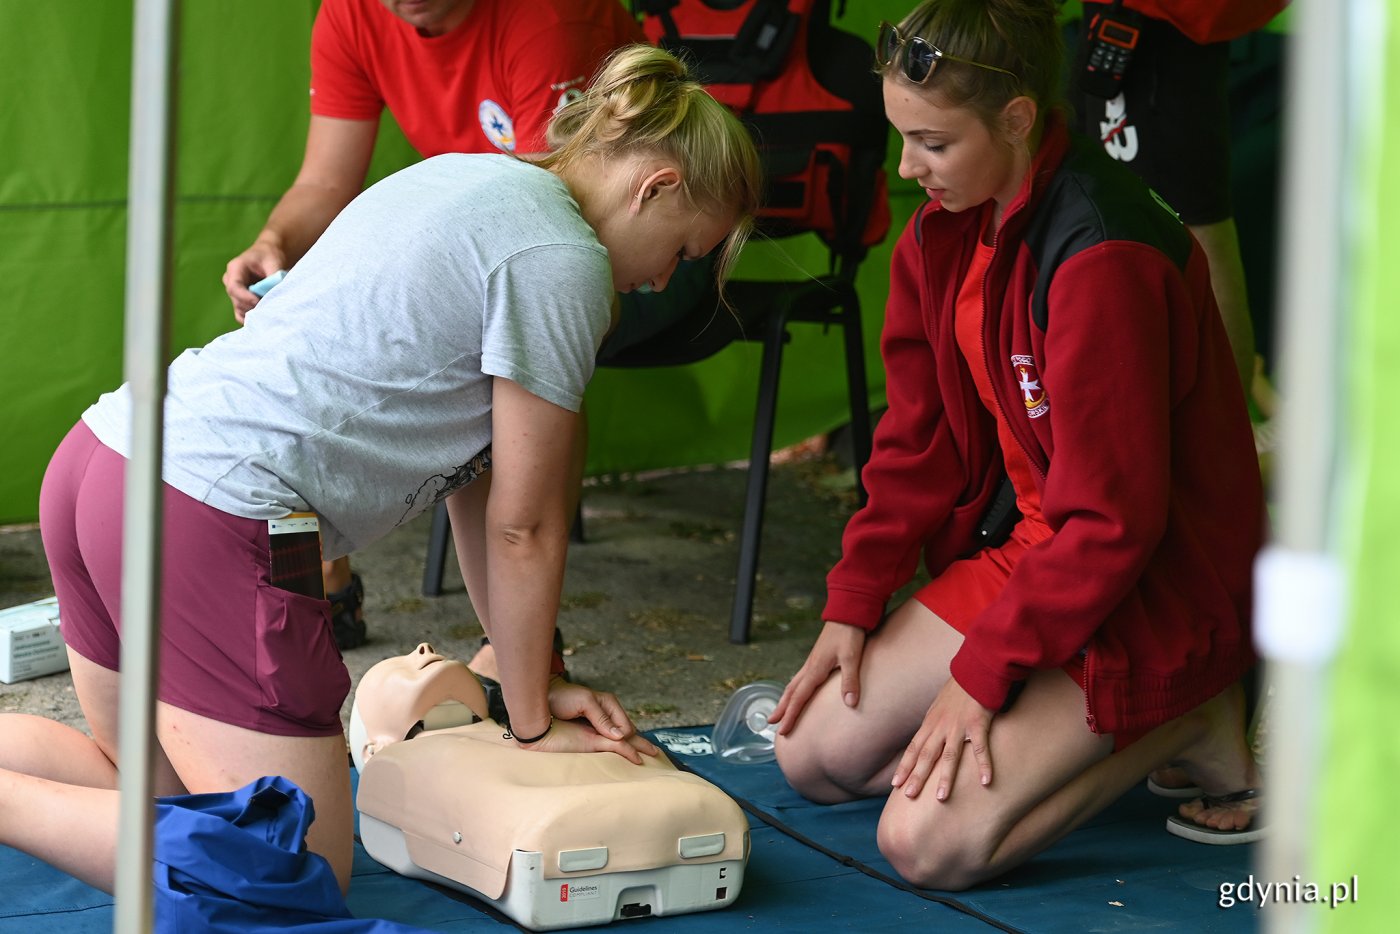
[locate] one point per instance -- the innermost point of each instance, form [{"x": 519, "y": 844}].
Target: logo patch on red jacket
[{"x": 1028, "y": 379}]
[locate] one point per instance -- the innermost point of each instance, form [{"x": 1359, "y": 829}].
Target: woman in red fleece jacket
[{"x": 1050, "y": 322}]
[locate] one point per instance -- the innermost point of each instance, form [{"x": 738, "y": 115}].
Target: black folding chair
[{"x": 762, "y": 310}]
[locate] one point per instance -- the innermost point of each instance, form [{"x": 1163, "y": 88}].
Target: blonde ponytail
[{"x": 644, "y": 100}]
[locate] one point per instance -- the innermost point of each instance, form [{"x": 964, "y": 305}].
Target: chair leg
[
  {"x": 761, "y": 449},
  {"x": 441, "y": 533},
  {"x": 437, "y": 551},
  {"x": 859, "y": 392},
  {"x": 576, "y": 530}
]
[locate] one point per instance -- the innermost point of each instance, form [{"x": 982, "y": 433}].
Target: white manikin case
[
  {"x": 552, "y": 840},
  {"x": 588, "y": 840}
]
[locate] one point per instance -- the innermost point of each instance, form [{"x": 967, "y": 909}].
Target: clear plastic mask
[{"x": 742, "y": 733}]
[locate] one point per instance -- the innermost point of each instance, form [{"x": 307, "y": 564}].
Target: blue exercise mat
[
  {"x": 788, "y": 887},
  {"x": 811, "y": 868},
  {"x": 1120, "y": 872}
]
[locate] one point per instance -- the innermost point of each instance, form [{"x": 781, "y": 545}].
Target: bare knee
[
  {"x": 810, "y": 770},
  {"x": 938, "y": 857},
  {"x": 44, "y": 748}
]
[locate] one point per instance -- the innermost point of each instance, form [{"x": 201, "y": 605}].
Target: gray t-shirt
[{"x": 360, "y": 387}]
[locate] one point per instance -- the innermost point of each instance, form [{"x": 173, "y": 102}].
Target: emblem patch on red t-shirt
[
  {"x": 569, "y": 91},
  {"x": 497, "y": 125},
  {"x": 1028, "y": 379}
]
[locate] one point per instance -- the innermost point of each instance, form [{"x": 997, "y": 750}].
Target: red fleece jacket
[{"x": 1108, "y": 357}]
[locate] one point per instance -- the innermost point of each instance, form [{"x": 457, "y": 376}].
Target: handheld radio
[{"x": 1113, "y": 35}]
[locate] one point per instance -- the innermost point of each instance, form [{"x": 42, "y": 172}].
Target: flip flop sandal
[
  {"x": 1179, "y": 792},
  {"x": 1190, "y": 830},
  {"x": 347, "y": 620}
]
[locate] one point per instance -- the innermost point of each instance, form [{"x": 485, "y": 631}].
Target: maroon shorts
[
  {"x": 967, "y": 587},
  {"x": 233, "y": 647}
]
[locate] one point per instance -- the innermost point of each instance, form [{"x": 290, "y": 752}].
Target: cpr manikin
[{"x": 553, "y": 840}]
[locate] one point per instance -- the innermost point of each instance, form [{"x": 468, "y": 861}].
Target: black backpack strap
[
  {"x": 756, "y": 52},
  {"x": 661, "y": 9},
  {"x": 761, "y": 45}
]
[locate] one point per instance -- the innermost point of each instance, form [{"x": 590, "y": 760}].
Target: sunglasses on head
[{"x": 918, "y": 58}]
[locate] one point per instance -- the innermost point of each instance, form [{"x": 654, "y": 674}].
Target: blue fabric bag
[{"x": 237, "y": 861}]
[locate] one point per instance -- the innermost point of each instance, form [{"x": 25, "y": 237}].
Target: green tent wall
[
  {"x": 1355, "y": 819},
  {"x": 63, "y": 124},
  {"x": 241, "y": 123}
]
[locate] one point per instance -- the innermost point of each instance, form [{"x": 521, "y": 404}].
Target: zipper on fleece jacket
[
  {"x": 986, "y": 358},
  {"x": 1089, "y": 717}
]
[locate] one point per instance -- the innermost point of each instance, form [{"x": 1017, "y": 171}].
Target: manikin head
[{"x": 406, "y": 693}]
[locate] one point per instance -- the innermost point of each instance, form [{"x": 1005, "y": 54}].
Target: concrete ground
[{"x": 646, "y": 598}]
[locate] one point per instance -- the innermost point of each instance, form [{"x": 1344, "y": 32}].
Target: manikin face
[
  {"x": 430, "y": 17},
  {"x": 398, "y": 692},
  {"x": 950, "y": 152},
  {"x": 656, "y": 229}
]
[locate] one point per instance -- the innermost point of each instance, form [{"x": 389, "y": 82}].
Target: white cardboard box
[{"x": 30, "y": 643}]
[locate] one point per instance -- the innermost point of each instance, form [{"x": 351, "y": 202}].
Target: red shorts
[
  {"x": 233, "y": 647},
  {"x": 968, "y": 586}
]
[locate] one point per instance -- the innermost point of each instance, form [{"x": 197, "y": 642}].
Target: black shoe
[{"x": 347, "y": 620}]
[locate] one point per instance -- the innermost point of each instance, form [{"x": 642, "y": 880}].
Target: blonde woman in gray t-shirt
[{"x": 469, "y": 295}]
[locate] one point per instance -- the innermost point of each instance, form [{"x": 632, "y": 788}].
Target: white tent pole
[
  {"x": 147, "y": 312},
  {"x": 1301, "y": 590}
]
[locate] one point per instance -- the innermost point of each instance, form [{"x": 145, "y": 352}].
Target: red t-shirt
[
  {"x": 1206, "y": 21},
  {"x": 490, "y": 84},
  {"x": 967, "y": 327}
]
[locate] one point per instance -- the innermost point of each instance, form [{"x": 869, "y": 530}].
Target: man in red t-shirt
[
  {"x": 1170, "y": 123},
  {"x": 458, "y": 76}
]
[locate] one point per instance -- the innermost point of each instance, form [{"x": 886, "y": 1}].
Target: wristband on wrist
[{"x": 527, "y": 740}]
